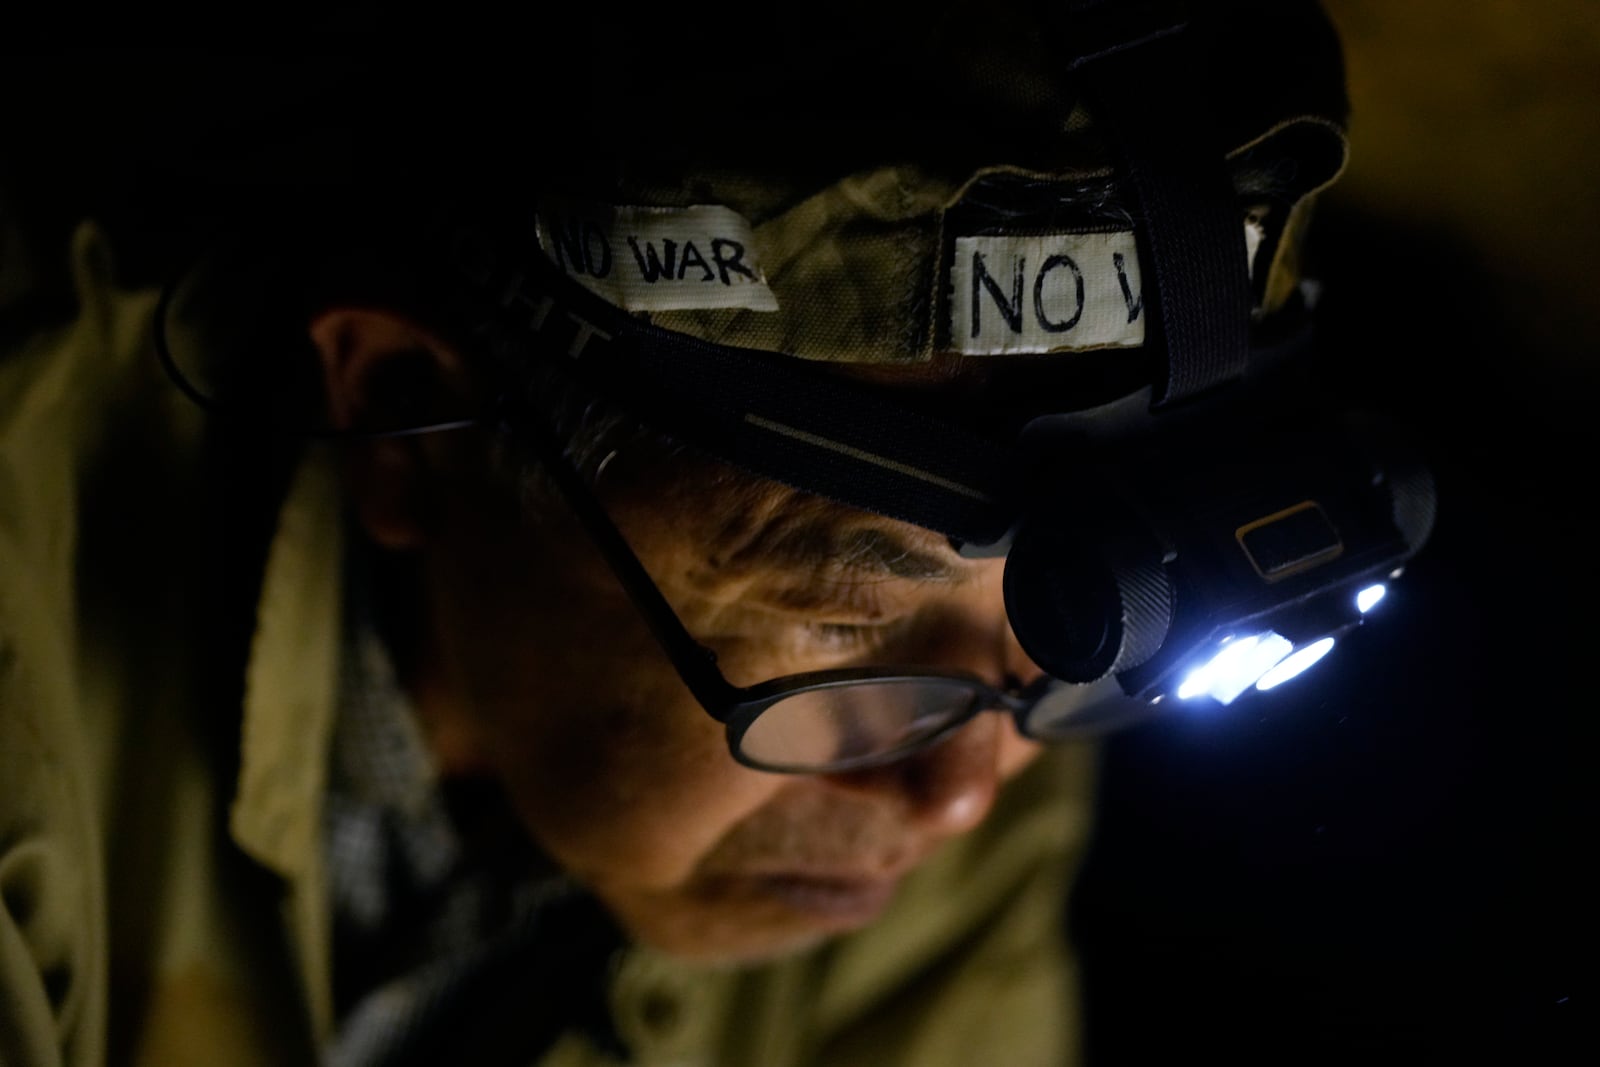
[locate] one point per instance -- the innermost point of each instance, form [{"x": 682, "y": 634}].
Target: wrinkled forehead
[{"x": 728, "y": 525}]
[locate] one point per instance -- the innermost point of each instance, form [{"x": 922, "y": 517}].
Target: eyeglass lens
[{"x": 823, "y": 728}]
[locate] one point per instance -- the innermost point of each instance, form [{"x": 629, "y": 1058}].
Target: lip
[{"x": 829, "y": 896}]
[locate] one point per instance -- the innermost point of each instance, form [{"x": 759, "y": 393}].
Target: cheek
[{"x": 614, "y": 769}]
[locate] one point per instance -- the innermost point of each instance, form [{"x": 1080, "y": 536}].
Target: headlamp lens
[
  {"x": 1295, "y": 663},
  {"x": 1236, "y": 667},
  {"x": 1368, "y": 598}
]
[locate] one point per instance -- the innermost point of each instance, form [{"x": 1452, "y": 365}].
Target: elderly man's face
[
  {"x": 530, "y": 665},
  {"x": 544, "y": 666}
]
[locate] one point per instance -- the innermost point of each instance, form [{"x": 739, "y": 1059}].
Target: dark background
[{"x": 1388, "y": 863}]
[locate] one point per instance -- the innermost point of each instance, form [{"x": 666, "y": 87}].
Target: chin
[{"x": 757, "y": 927}]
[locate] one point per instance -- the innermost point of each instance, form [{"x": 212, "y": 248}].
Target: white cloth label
[
  {"x": 1042, "y": 293},
  {"x": 657, "y": 259}
]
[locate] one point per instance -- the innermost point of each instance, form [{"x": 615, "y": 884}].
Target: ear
[{"x": 382, "y": 371}]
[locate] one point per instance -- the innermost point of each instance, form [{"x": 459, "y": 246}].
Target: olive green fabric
[
  {"x": 854, "y": 189},
  {"x": 163, "y": 741}
]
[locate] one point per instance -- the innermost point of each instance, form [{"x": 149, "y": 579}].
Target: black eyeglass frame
[{"x": 738, "y": 707}]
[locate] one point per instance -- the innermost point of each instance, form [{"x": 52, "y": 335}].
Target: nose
[
  {"x": 942, "y": 790},
  {"x": 950, "y": 787},
  {"x": 1020, "y": 670}
]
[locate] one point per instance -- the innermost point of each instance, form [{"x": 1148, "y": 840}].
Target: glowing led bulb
[
  {"x": 1236, "y": 667},
  {"x": 1295, "y": 662}
]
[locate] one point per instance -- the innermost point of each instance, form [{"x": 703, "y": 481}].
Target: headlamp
[
  {"x": 1198, "y": 562},
  {"x": 1183, "y": 521}
]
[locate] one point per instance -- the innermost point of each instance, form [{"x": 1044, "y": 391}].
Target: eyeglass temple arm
[{"x": 695, "y": 663}]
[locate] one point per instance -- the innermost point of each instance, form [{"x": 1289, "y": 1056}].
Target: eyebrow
[{"x": 863, "y": 551}]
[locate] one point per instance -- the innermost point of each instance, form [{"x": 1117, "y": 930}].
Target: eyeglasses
[{"x": 811, "y": 723}]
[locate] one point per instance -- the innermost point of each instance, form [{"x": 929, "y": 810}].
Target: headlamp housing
[{"x": 1191, "y": 564}]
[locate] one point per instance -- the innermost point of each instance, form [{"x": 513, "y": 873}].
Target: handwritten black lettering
[
  {"x": 729, "y": 255},
  {"x": 1045, "y": 322},
  {"x": 581, "y": 247},
  {"x": 1012, "y": 312},
  {"x": 597, "y": 264},
  {"x": 691, "y": 254},
  {"x": 1134, "y": 305},
  {"x": 567, "y": 237},
  {"x": 651, "y": 266}
]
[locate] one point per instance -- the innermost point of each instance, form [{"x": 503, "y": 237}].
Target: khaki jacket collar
[{"x": 291, "y": 686}]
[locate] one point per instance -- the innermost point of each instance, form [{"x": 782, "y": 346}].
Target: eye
[{"x": 845, "y": 637}]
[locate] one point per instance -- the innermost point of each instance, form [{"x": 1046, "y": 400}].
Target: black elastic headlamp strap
[
  {"x": 1137, "y": 64},
  {"x": 767, "y": 413}
]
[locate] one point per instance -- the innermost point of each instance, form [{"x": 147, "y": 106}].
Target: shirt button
[{"x": 668, "y": 1012}]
